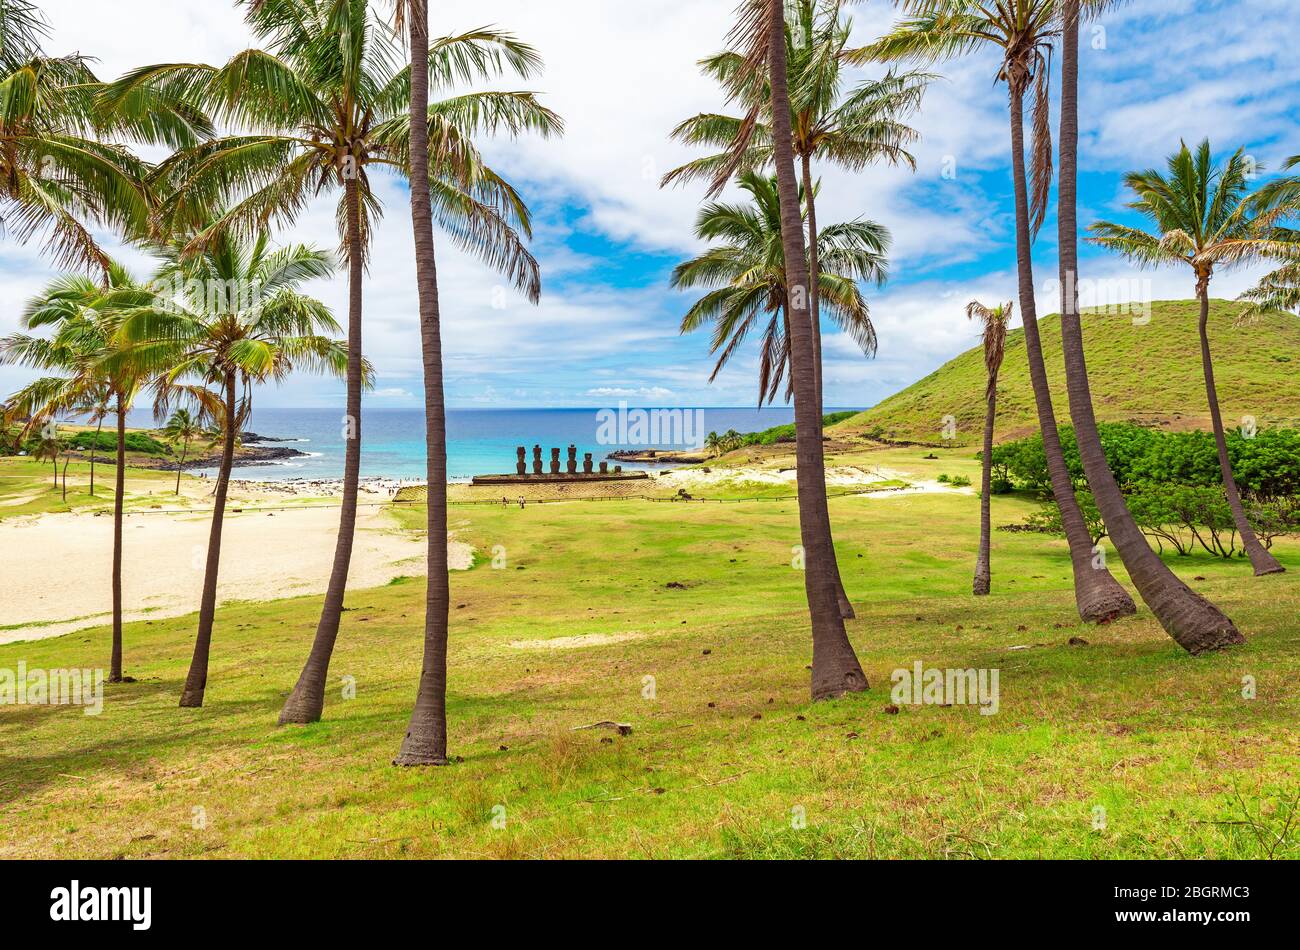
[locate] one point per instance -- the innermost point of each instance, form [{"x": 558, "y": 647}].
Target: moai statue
[
  {"x": 618, "y": 469},
  {"x": 521, "y": 467},
  {"x": 555, "y": 461},
  {"x": 537, "y": 460},
  {"x": 604, "y": 468},
  {"x": 586, "y": 463},
  {"x": 573, "y": 460}
]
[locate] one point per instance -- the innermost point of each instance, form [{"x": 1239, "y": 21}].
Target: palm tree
[
  {"x": 747, "y": 276},
  {"x": 851, "y": 131},
  {"x": 1023, "y": 31},
  {"x": 713, "y": 442},
  {"x": 47, "y": 448},
  {"x": 98, "y": 405},
  {"x": 60, "y": 175},
  {"x": 324, "y": 106},
  {"x": 195, "y": 338},
  {"x": 85, "y": 357},
  {"x": 1195, "y": 623},
  {"x": 759, "y": 35},
  {"x": 1277, "y": 290},
  {"x": 182, "y": 426},
  {"x": 1202, "y": 217},
  {"x": 994, "y": 320}
]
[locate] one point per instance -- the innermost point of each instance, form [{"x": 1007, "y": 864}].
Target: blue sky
[{"x": 622, "y": 75}]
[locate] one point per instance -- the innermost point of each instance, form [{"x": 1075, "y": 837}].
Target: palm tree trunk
[
  {"x": 115, "y": 664},
  {"x": 1193, "y": 621},
  {"x": 1097, "y": 595},
  {"x": 197, "y": 679},
  {"x": 1260, "y": 559},
  {"x": 66, "y": 458},
  {"x": 983, "y": 569},
  {"x": 835, "y": 667},
  {"x": 307, "y": 700},
  {"x": 425, "y": 742},
  {"x": 180, "y": 466},
  {"x": 93, "y": 449},
  {"x": 814, "y": 298}
]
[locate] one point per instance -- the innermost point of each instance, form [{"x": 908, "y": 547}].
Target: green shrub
[{"x": 107, "y": 442}]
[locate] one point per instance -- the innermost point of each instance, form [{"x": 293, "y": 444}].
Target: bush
[
  {"x": 959, "y": 481},
  {"x": 107, "y": 442}
]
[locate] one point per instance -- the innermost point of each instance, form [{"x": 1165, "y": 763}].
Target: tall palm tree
[
  {"x": 759, "y": 35},
  {"x": 994, "y": 320},
  {"x": 746, "y": 271},
  {"x": 85, "y": 359},
  {"x": 852, "y": 131},
  {"x": 213, "y": 326},
  {"x": 183, "y": 426},
  {"x": 1201, "y": 214},
  {"x": 324, "y": 106},
  {"x": 1023, "y": 32},
  {"x": 1195, "y": 623}
]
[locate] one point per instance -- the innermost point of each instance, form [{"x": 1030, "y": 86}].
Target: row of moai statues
[{"x": 521, "y": 468}]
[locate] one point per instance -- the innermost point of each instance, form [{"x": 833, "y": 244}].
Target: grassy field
[
  {"x": 1148, "y": 373},
  {"x": 571, "y": 607}
]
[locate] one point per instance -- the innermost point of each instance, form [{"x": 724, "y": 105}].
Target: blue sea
[{"x": 483, "y": 441}]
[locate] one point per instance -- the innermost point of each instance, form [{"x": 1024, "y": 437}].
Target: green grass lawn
[{"x": 727, "y": 752}]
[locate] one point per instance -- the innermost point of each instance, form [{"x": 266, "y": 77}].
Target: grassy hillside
[{"x": 1149, "y": 373}]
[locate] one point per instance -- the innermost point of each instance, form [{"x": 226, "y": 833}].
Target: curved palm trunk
[
  {"x": 425, "y": 742},
  {"x": 307, "y": 700},
  {"x": 119, "y": 480},
  {"x": 983, "y": 569},
  {"x": 93, "y": 449},
  {"x": 835, "y": 667},
  {"x": 1260, "y": 559},
  {"x": 66, "y": 459},
  {"x": 814, "y": 268},
  {"x": 1193, "y": 621},
  {"x": 1097, "y": 595},
  {"x": 196, "y": 680},
  {"x": 180, "y": 466}
]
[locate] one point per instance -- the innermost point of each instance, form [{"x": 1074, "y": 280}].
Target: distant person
[{"x": 522, "y": 503}]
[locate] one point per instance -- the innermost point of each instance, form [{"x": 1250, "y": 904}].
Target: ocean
[{"x": 482, "y": 441}]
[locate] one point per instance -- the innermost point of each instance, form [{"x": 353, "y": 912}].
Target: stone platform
[{"x": 559, "y": 478}]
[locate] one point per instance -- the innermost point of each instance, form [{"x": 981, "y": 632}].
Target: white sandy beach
[{"x": 56, "y": 567}]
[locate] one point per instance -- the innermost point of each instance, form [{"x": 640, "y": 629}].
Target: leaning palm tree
[
  {"x": 746, "y": 274},
  {"x": 84, "y": 358},
  {"x": 183, "y": 426},
  {"x": 321, "y": 109},
  {"x": 759, "y": 35},
  {"x": 1202, "y": 216},
  {"x": 213, "y": 326},
  {"x": 994, "y": 320},
  {"x": 1022, "y": 31},
  {"x": 1195, "y": 623}
]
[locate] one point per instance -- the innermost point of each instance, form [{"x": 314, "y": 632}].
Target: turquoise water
[{"x": 483, "y": 441}]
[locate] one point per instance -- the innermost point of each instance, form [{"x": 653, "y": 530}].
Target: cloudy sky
[{"x": 622, "y": 75}]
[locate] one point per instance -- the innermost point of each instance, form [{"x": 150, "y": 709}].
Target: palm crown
[
  {"x": 1203, "y": 213},
  {"x": 327, "y": 102},
  {"x": 747, "y": 268}
]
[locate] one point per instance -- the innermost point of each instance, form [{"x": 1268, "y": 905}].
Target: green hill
[{"x": 1149, "y": 374}]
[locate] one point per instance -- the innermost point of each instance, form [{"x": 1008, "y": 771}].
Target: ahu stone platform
[{"x": 589, "y": 473}]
